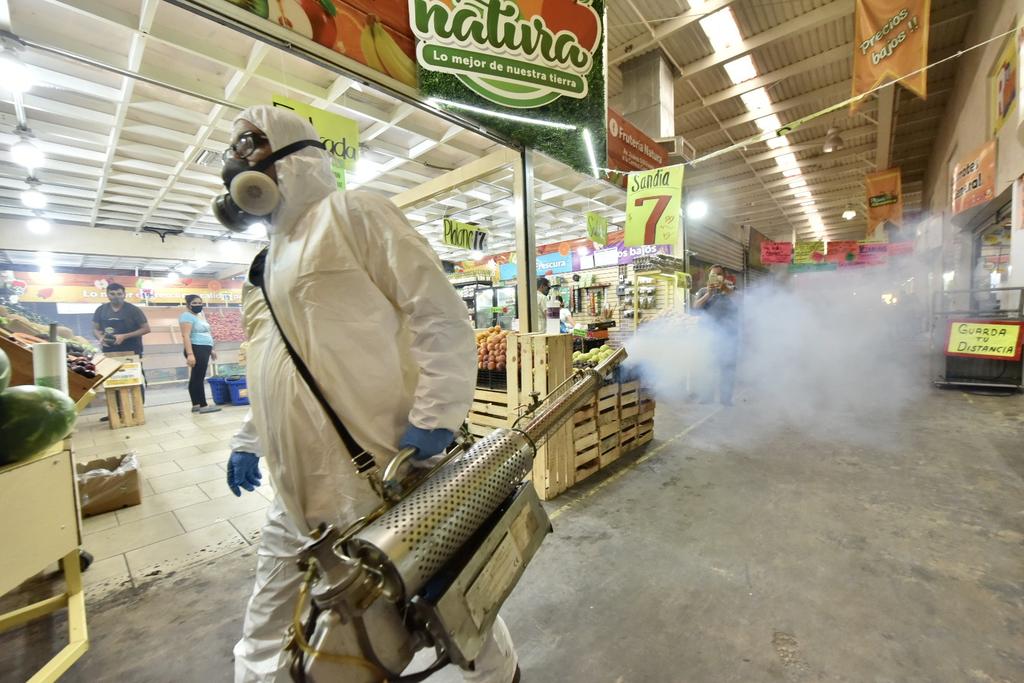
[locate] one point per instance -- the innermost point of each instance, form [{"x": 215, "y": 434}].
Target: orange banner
[
  {"x": 885, "y": 202},
  {"x": 890, "y": 41},
  {"x": 68, "y": 288},
  {"x": 974, "y": 178}
]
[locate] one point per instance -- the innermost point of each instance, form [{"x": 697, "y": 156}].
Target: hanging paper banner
[
  {"x": 597, "y": 228},
  {"x": 339, "y": 134},
  {"x": 984, "y": 339},
  {"x": 653, "y": 202},
  {"x": 974, "y": 178},
  {"x": 842, "y": 251},
  {"x": 873, "y": 253},
  {"x": 776, "y": 252},
  {"x": 890, "y": 41},
  {"x": 885, "y": 203},
  {"x": 809, "y": 252},
  {"x": 811, "y": 267},
  {"x": 464, "y": 235},
  {"x": 1003, "y": 85}
]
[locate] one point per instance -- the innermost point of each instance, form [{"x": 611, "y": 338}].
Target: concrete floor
[{"x": 733, "y": 549}]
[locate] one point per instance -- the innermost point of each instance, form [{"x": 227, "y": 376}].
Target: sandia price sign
[
  {"x": 653, "y": 203},
  {"x": 516, "y": 53}
]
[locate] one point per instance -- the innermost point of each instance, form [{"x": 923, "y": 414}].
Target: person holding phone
[
  {"x": 198, "y": 341},
  {"x": 721, "y": 313}
]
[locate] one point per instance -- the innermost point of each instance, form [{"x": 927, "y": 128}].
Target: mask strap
[{"x": 285, "y": 151}]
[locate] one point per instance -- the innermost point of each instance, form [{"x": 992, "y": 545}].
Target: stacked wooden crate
[{"x": 620, "y": 418}]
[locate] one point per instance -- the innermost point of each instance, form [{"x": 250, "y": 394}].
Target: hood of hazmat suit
[{"x": 364, "y": 301}]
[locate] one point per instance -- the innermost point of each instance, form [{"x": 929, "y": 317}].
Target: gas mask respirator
[{"x": 252, "y": 194}]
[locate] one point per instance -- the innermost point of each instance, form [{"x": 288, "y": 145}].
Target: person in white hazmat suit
[{"x": 363, "y": 300}]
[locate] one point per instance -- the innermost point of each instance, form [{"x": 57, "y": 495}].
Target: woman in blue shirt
[{"x": 195, "y": 332}]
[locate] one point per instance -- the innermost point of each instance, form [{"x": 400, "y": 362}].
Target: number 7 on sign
[{"x": 661, "y": 203}]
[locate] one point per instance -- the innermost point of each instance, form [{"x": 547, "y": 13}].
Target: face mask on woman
[{"x": 196, "y": 308}]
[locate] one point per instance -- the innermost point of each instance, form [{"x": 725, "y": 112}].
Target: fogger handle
[{"x": 390, "y": 478}]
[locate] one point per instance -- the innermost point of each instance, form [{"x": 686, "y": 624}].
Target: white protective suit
[{"x": 364, "y": 302}]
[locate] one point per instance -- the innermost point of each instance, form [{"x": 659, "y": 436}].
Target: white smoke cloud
[{"x": 821, "y": 351}]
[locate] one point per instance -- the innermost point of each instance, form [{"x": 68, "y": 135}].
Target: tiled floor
[{"x": 187, "y": 512}]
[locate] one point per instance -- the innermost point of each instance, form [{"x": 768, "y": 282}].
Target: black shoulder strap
[{"x": 361, "y": 458}]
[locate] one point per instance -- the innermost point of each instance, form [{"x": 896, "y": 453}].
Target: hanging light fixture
[
  {"x": 38, "y": 226},
  {"x": 24, "y": 152},
  {"x": 833, "y": 141},
  {"x": 17, "y": 77},
  {"x": 849, "y": 214},
  {"x": 32, "y": 198}
]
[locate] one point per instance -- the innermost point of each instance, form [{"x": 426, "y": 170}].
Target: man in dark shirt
[
  {"x": 119, "y": 325},
  {"x": 717, "y": 302}
]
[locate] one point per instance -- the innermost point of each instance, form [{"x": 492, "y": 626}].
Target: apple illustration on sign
[
  {"x": 575, "y": 16},
  {"x": 313, "y": 19}
]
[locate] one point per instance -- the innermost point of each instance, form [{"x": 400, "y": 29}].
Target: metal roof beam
[{"x": 642, "y": 44}]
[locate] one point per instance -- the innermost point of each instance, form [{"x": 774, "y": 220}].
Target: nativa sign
[{"x": 515, "y": 53}]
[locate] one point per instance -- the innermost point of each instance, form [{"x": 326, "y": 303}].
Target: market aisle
[{"x": 886, "y": 553}]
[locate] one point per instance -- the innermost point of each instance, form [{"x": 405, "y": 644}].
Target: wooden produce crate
[
  {"x": 586, "y": 442},
  {"x": 78, "y": 386},
  {"x": 629, "y": 400}
]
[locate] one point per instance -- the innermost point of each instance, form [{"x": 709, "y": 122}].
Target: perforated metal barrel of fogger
[{"x": 413, "y": 540}]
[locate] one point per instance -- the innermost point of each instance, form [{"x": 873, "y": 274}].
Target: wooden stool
[{"x": 124, "y": 407}]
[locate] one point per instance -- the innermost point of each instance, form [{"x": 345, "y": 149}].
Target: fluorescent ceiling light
[
  {"x": 26, "y": 154},
  {"x": 721, "y": 29},
  {"x": 768, "y": 123},
  {"x": 33, "y": 199},
  {"x": 590, "y": 152},
  {"x": 44, "y": 258},
  {"x": 810, "y": 210},
  {"x": 802, "y": 194},
  {"x": 756, "y": 99},
  {"x": 849, "y": 214},
  {"x": 809, "y": 202},
  {"x": 777, "y": 142},
  {"x": 18, "y": 77},
  {"x": 786, "y": 160},
  {"x": 435, "y": 101},
  {"x": 38, "y": 226},
  {"x": 791, "y": 172},
  {"x": 797, "y": 182}
]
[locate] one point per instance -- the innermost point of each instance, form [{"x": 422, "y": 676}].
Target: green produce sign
[
  {"x": 597, "y": 228},
  {"x": 464, "y": 235},
  {"x": 541, "y": 61}
]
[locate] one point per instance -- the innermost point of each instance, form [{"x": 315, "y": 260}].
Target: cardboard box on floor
[{"x": 107, "y": 484}]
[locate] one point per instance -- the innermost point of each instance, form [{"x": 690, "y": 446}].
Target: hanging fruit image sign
[
  {"x": 372, "y": 32},
  {"x": 541, "y": 61}
]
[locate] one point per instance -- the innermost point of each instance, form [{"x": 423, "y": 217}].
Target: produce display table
[{"x": 39, "y": 506}]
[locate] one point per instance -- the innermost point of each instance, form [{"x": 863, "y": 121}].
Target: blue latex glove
[
  {"x": 427, "y": 442},
  {"x": 243, "y": 472}
]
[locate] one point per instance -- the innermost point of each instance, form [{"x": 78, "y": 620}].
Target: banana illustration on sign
[{"x": 380, "y": 47}]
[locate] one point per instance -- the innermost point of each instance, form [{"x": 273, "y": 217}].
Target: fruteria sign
[
  {"x": 984, "y": 339},
  {"x": 890, "y": 42},
  {"x": 974, "y": 178},
  {"x": 539, "y": 61},
  {"x": 630, "y": 149},
  {"x": 464, "y": 235},
  {"x": 653, "y": 203},
  {"x": 375, "y": 33}
]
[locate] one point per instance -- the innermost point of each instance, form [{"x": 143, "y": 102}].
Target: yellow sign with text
[
  {"x": 984, "y": 339},
  {"x": 653, "y": 203},
  {"x": 339, "y": 134},
  {"x": 464, "y": 235}
]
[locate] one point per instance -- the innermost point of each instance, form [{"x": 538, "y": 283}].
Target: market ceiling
[
  {"x": 125, "y": 154},
  {"x": 801, "y": 54}
]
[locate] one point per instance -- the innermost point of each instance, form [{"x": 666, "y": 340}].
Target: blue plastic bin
[
  {"x": 219, "y": 390},
  {"x": 239, "y": 391}
]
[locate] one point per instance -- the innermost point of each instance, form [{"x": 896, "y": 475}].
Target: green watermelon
[
  {"x": 33, "y": 418},
  {"x": 5, "y": 370}
]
